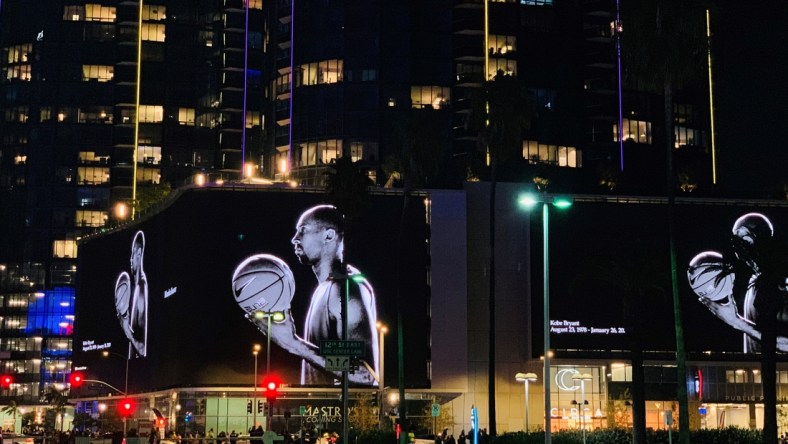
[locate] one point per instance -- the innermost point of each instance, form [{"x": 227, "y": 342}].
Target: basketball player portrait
[
  {"x": 318, "y": 243},
  {"x": 739, "y": 286},
  {"x": 131, "y": 299}
]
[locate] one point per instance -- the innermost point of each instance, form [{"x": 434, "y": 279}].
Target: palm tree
[
  {"x": 663, "y": 47},
  {"x": 58, "y": 400},
  {"x": 501, "y": 111},
  {"x": 12, "y": 408}
]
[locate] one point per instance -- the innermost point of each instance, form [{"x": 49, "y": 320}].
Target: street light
[
  {"x": 582, "y": 377},
  {"x": 525, "y": 378},
  {"x": 276, "y": 316},
  {"x": 529, "y": 201},
  {"x": 382, "y": 329},
  {"x": 255, "y": 352},
  {"x": 106, "y": 354}
]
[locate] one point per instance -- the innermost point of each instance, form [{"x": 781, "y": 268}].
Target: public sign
[
  {"x": 341, "y": 348},
  {"x": 436, "y": 409},
  {"x": 338, "y": 363}
]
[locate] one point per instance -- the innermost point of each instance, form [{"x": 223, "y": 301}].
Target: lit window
[
  {"x": 99, "y": 13},
  {"x": 502, "y": 44},
  {"x": 186, "y": 116},
  {"x": 19, "y": 72},
  {"x": 319, "y": 73},
  {"x": 255, "y": 4},
  {"x": 151, "y": 113},
  {"x": 687, "y": 136},
  {"x": 92, "y": 175},
  {"x": 95, "y": 114},
  {"x": 74, "y": 13},
  {"x": 434, "y": 97},
  {"x": 154, "y": 12},
  {"x": 637, "y": 131},
  {"x": 562, "y": 156},
  {"x": 92, "y": 158},
  {"x": 102, "y": 73},
  {"x": 150, "y": 155},
  {"x": 19, "y": 53},
  {"x": 17, "y": 114},
  {"x": 90, "y": 218},
  {"x": 153, "y": 32},
  {"x": 506, "y": 66},
  {"x": 253, "y": 119},
  {"x": 64, "y": 249},
  {"x": 148, "y": 175}
]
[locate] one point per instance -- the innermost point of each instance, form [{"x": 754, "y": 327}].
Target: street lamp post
[
  {"x": 582, "y": 377},
  {"x": 106, "y": 353},
  {"x": 529, "y": 201},
  {"x": 381, "y": 381},
  {"x": 525, "y": 378},
  {"x": 276, "y": 316},
  {"x": 255, "y": 352}
]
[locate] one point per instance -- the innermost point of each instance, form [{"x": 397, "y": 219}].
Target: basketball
[
  {"x": 708, "y": 276},
  {"x": 122, "y": 294},
  {"x": 263, "y": 283}
]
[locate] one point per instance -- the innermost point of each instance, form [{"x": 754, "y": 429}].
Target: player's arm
[
  {"x": 727, "y": 313},
  {"x": 360, "y": 329}
]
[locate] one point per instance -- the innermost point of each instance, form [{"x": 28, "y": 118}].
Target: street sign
[
  {"x": 436, "y": 409},
  {"x": 342, "y": 348},
  {"x": 338, "y": 363}
]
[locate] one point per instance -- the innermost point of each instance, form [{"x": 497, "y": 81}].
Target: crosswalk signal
[
  {"x": 249, "y": 407},
  {"x": 259, "y": 406}
]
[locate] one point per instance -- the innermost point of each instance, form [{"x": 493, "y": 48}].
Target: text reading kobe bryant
[{"x": 575, "y": 327}]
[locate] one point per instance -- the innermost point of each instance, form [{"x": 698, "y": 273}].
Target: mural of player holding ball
[
  {"x": 740, "y": 287},
  {"x": 265, "y": 283},
  {"x": 131, "y": 299}
]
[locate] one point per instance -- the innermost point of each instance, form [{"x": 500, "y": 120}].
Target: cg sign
[{"x": 564, "y": 380}]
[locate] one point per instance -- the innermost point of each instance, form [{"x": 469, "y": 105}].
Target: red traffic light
[
  {"x": 6, "y": 381},
  {"x": 76, "y": 379},
  {"x": 126, "y": 407},
  {"x": 160, "y": 422},
  {"x": 271, "y": 384}
]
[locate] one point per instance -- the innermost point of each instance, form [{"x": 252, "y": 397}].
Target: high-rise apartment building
[{"x": 108, "y": 103}]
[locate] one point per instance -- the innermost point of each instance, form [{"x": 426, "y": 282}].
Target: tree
[
  {"x": 11, "y": 409},
  {"x": 58, "y": 400},
  {"x": 501, "y": 111},
  {"x": 151, "y": 195},
  {"x": 364, "y": 415},
  {"x": 83, "y": 421},
  {"x": 663, "y": 48}
]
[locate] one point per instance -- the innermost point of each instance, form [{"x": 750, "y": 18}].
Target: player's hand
[{"x": 283, "y": 333}]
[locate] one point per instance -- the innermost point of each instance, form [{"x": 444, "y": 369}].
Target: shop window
[
  {"x": 637, "y": 131},
  {"x": 101, "y": 73},
  {"x": 432, "y": 97},
  {"x": 64, "y": 249}
]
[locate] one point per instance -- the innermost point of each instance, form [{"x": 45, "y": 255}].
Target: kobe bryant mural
[
  {"x": 131, "y": 299},
  {"x": 744, "y": 285},
  {"x": 264, "y": 286}
]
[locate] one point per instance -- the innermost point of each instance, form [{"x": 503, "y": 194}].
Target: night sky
[{"x": 750, "y": 50}]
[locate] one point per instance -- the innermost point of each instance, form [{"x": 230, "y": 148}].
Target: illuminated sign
[
  {"x": 610, "y": 287},
  {"x": 176, "y": 296}
]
